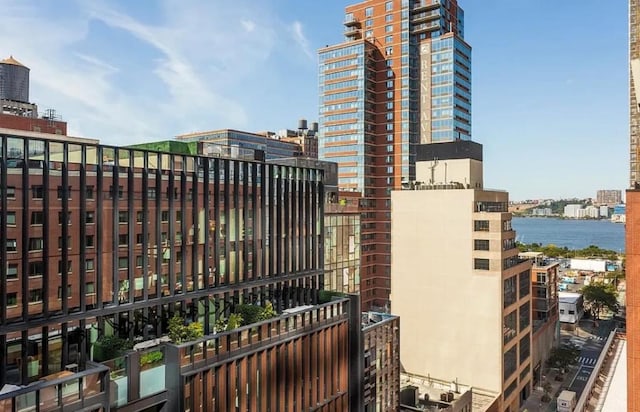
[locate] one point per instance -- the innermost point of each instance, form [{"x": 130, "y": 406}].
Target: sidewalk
[{"x": 534, "y": 403}]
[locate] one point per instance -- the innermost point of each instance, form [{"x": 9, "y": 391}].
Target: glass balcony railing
[{"x": 85, "y": 390}]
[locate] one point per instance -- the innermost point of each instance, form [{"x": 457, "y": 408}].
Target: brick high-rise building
[
  {"x": 401, "y": 77},
  {"x": 633, "y": 215}
]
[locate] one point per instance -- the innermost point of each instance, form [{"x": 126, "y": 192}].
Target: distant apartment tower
[
  {"x": 16, "y": 112},
  {"x": 459, "y": 286},
  {"x": 572, "y": 211},
  {"x": 401, "y": 77},
  {"x": 608, "y": 197}
]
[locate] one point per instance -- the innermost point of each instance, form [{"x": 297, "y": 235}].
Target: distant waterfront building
[
  {"x": 544, "y": 211},
  {"x": 592, "y": 212},
  {"x": 461, "y": 291},
  {"x": 604, "y": 211},
  {"x": 619, "y": 215},
  {"x": 572, "y": 211},
  {"x": 608, "y": 197}
]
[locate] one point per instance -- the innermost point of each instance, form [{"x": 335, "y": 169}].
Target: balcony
[
  {"x": 425, "y": 5},
  {"x": 351, "y": 22},
  {"x": 218, "y": 347},
  {"x": 425, "y": 27},
  {"x": 425, "y": 16},
  {"x": 85, "y": 390},
  {"x": 352, "y": 32}
]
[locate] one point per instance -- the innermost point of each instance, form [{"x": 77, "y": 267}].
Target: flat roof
[
  {"x": 530, "y": 255},
  {"x": 616, "y": 398},
  {"x": 569, "y": 297}
]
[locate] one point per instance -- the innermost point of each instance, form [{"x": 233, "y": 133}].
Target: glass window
[
  {"x": 35, "y": 295},
  {"x": 90, "y": 288},
  {"x": 481, "y": 264},
  {"x": 509, "y": 292},
  {"x": 388, "y": 28},
  {"x": 12, "y": 245},
  {"x": 68, "y": 292},
  {"x": 12, "y": 299},
  {"x": 525, "y": 283},
  {"x": 525, "y": 348},
  {"x": 89, "y": 217},
  {"x": 165, "y": 216},
  {"x": 510, "y": 327},
  {"x": 481, "y": 225},
  {"x": 36, "y": 269},
  {"x": 123, "y": 217},
  {"x": 37, "y": 192},
  {"x": 388, "y": 6},
  {"x": 37, "y": 218},
  {"x": 11, "y": 192},
  {"x": 480, "y": 244},
  {"x": 89, "y": 192},
  {"x": 368, "y": 12},
  {"x": 11, "y": 218},
  {"x": 123, "y": 263},
  {"x": 510, "y": 362},
  {"x": 123, "y": 240},
  {"x": 12, "y": 271},
  {"x": 388, "y": 18},
  {"x": 388, "y": 39},
  {"x": 89, "y": 241},
  {"x": 89, "y": 264},
  {"x": 36, "y": 243},
  {"x": 525, "y": 316}
]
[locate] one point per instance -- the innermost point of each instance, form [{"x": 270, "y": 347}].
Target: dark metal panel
[{"x": 66, "y": 194}]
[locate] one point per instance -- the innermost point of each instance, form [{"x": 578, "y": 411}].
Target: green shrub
[
  {"x": 110, "y": 347},
  {"x": 179, "y": 332},
  {"x": 150, "y": 358},
  {"x": 249, "y": 313}
]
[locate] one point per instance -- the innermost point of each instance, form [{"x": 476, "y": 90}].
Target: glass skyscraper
[{"x": 402, "y": 77}]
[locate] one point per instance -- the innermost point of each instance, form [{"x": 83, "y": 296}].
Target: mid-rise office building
[
  {"x": 544, "y": 305},
  {"x": 381, "y": 362},
  {"x": 401, "y": 77},
  {"x": 459, "y": 286},
  {"x": 104, "y": 245}
]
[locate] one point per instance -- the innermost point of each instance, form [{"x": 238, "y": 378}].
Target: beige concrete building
[{"x": 462, "y": 292}]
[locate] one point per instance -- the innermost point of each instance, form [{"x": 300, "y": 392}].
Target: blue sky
[{"x": 549, "y": 77}]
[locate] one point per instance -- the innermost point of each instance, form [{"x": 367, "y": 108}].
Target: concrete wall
[
  {"x": 433, "y": 284},
  {"x": 465, "y": 171}
]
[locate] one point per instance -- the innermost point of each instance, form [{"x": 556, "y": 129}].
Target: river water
[{"x": 574, "y": 234}]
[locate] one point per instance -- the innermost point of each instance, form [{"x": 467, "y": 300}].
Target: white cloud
[
  {"x": 188, "y": 70},
  {"x": 299, "y": 37},
  {"x": 248, "y": 25}
]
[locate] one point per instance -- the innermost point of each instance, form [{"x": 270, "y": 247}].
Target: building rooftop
[
  {"x": 374, "y": 318},
  {"x": 616, "y": 395},
  {"x": 481, "y": 399},
  {"x": 12, "y": 61},
  {"x": 569, "y": 297}
]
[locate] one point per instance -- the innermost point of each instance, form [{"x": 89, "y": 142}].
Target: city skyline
[{"x": 130, "y": 74}]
